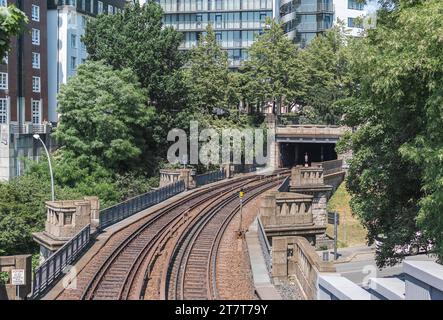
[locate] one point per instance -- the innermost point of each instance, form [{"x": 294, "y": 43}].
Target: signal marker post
[
  {"x": 240, "y": 230},
  {"x": 334, "y": 218}
]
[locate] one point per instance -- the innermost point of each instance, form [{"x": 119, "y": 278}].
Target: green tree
[
  {"x": 327, "y": 76},
  {"x": 274, "y": 71},
  {"x": 207, "y": 74},
  {"x": 137, "y": 39},
  {"x": 104, "y": 119},
  {"x": 396, "y": 173},
  {"x": 12, "y": 23}
]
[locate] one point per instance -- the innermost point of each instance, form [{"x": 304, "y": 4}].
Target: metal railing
[
  {"x": 132, "y": 206},
  {"x": 333, "y": 166},
  {"x": 284, "y": 187},
  {"x": 228, "y": 25},
  {"x": 209, "y": 177},
  {"x": 265, "y": 245},
  {"x": 55, "y": 265},
  {"x": 30, "y": 128}
]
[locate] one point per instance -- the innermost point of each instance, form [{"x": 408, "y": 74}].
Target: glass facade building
[
  {"x": 304, "y": 19},
  {"x": 236, "y": 22}
]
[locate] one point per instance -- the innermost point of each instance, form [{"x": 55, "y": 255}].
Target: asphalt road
[{"x": 363, "y": 267}]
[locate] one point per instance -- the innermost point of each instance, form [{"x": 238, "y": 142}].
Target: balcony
[
  {"x": 30, "y": 128},
  {"x": 306, "y": 8},
  {"x": 222, "y": 25},
  {"x": 212, "y": 9}
]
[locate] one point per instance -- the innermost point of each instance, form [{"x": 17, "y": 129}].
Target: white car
[{"x": 413, "y": 248}]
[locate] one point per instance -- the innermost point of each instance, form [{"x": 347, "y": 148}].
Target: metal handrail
[
  {"x": 123, "y": 210},
  {"x": 265, "y": 245},
  {"x": 50, "y": 270},
  {"x": 209, "y": 177},
  {"x": 284, "y": 187}
]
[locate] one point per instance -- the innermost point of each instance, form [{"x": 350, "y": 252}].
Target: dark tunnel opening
[{"x": 293, "y": 154}]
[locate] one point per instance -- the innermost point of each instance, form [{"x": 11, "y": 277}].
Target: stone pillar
[
  {"x": 228, "y": 168},
  {"x": 65, "y": 219},
  {"x": 95, "y": 210},
  {"x": 279, "y": 258},
  {"x": 274, "y": 160}
]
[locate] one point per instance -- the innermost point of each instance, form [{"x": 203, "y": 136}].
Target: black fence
[
  {"x": 209, "y": 177},
  {"x": 132, "y": 206},
  {"x": 56, "y": 264}
]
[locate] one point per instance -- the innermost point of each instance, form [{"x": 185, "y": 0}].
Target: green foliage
[
  {"x": 137, "y": 39},
  {"x": 21, "y": 213},
  {"x": 207, "y": 75},
  {"x": 274, "y": 71},
  {"x": 104, "y": 119},
  {"x": 327, "y": 76},
  {"x": 396, "y": 174},
  {"x": 12, "y": 23},
  {"x": 4, "y": 277}
]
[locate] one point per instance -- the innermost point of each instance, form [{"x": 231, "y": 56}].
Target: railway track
[
  {"x": 191, "y": 268},
  {"x": 122, "y": 273}
]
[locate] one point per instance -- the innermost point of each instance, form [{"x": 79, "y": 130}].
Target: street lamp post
[{"x": 37, "y": 137}]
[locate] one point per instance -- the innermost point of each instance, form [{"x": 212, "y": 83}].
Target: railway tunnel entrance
[{"x": 293, "y": 154}]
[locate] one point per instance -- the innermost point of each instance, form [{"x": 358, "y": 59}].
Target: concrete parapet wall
[
  {"x": 335, "y": 179},
  {"x": 294, "y": 256},
  {"x": 306, "y": 176},
  {"x": 334, "y": 287},
  {"x": 170, "y": 176},
  {"x": 423, "y": 280},
  {"x": 311, "y": 130}
]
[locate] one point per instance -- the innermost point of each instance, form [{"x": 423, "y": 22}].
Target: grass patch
[{"x": 350, "y": 230}]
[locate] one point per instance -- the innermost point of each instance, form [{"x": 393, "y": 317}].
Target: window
[
  {"x": 110, "y": 9},
  {"x": 5, "y": 59},
  {"x": 100, "y": 7},
  {"x": 36, "y": 37},
  {"x": 354, "y": 23},
  {"x": 3, "y": 110},
  {"x": 218, "y": 37},
  {"x": 36, "y": 60},
  {"x": 73, "y": 41},
  {"x": 355, "y": 5},
  {"x": 35, "y": 84},
  {"x": 3, "y": 81},
  {"x": 92, "y": 6},
  {"x": 82, "y": 45},
  {"x": 73, "y": 63},
  {"x": 84, "y": 21},
  {"x": 35, "y": 14},
  {"x": 72, "y": 18},
  {"x": 3, "y": 3},
  {"x": 36, "y": 111}
]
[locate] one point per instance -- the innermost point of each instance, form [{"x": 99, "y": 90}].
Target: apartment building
[
  {"x": 351, "y": 13},
  {"x": 236, "y": 22},
  {"x": 66, "y": 24},
  {"x": 304, "y": 19},
  {"x": 23, "y": 90}
]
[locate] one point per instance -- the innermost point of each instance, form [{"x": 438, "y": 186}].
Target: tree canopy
[
  {"x": 396, "y": 172},
  {"x": 137, "y": 39},
  {"x": 207, "y": 74},
  {"x": 12, "y": 23},
  {"x": 274, "y": 71},
  {"x": 104, "y": 119}
]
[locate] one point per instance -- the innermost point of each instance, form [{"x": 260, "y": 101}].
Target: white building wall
[
  {"x": 61, "y": 51},
  {"x": 341, "y": 12},
  {"x": 52, "y": 31}
]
